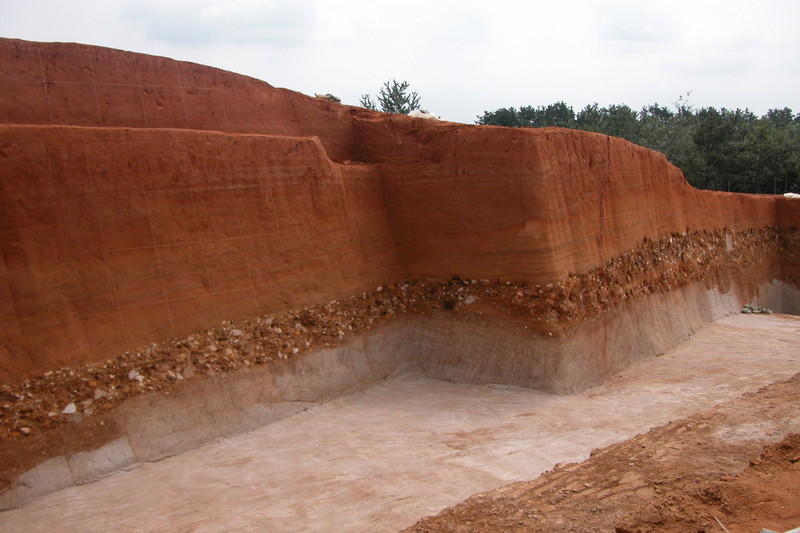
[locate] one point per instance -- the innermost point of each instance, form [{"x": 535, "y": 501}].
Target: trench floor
[{"x": 381, "y": 459}]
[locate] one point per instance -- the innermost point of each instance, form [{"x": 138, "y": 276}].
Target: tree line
[{"x": 717, "y": 149}]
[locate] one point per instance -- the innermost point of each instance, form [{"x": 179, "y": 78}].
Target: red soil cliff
[{"x": 142, "y": 198}]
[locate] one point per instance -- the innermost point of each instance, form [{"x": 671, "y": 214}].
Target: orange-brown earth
[
  {"x": 161, "y": 221},
  {"x": 143, "y": 198},
  {"x": 695, "y": 475},
  {"x": 31, "y": 405}
]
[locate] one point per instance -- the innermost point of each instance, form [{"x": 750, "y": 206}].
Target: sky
[{"x": 462, "y": 57}]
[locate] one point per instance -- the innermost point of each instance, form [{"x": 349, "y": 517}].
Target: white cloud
[
  {"x": 636, "y": 24},
  {"x": 464, "y": 57},
  {"x": 276, "y": 23}
]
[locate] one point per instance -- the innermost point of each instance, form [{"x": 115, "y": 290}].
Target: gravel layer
[{"x": 69, "y": 394}]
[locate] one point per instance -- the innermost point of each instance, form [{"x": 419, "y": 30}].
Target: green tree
[
  {"x": 393, "y": 97},
  {"x": 505, "y": 116},
  {"x": 590, "y": 118},
  {"x": 655, "y": 123},
  {"x": 558, "y": 114}
]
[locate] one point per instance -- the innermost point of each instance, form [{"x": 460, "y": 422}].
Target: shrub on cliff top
[{"x": 393, "y": 98}]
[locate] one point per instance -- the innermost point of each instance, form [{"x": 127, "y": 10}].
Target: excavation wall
[
  {"x": 143, "y": 198},
  {"x": 442, "y": 345}
]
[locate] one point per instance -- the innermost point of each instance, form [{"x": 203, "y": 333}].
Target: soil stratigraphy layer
[
  {"x": 725, "y": 260},
  {"x": 379, "y": 459},
  {"x": 143, "y": 198},
  {"x": 164, "y": 223}
]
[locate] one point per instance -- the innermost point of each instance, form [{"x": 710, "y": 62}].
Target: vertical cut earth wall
[{"x": 142, "y": 198}]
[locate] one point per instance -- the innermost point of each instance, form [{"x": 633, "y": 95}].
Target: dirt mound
[{"x": 683, "y": 477}]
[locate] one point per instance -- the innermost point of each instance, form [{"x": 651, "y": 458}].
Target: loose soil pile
[{"x": 688, "y": 476}]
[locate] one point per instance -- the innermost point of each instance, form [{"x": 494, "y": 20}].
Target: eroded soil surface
[{"x": 695, "y": 475}]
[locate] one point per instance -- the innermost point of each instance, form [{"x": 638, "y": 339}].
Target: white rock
[
  {"x": 236, "y": 332},
  {"x": 418, "y": 113},
  {"x": 69, "y": 409}
]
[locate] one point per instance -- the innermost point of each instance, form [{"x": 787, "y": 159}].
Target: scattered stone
[
  {"x": 547, "y": 310},
  {"x": 69, "y": 409},
  {"x": 757, "y": 309},
  {"x": 25, "y": 430}
]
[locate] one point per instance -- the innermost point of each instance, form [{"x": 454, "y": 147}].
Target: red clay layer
[{"x": 142, "y": 198}]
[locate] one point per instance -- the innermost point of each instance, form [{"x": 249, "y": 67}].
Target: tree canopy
[
  {"x": 393, "y": 97},
  {"x": 719, "y": 149}
]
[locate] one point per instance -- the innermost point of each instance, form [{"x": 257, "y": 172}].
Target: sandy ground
[{"x": 381, "y": 459}]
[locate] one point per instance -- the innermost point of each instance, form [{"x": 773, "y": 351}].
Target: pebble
[
  {"x": 546, "y": 310},
  {"x": 69, "y": 409}
]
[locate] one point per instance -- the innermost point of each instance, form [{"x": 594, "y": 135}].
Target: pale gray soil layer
[{"x": 380, "y": 459}]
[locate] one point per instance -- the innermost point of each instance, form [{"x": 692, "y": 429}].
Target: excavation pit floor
[{"x": 381, "y": 459}]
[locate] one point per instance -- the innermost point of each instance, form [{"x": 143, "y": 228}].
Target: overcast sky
[{"x": 463, "y": 57}]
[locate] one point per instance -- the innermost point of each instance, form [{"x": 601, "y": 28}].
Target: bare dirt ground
[
  {"x": 380, "y": 459},
  {"x": 707, "y": 473}
]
